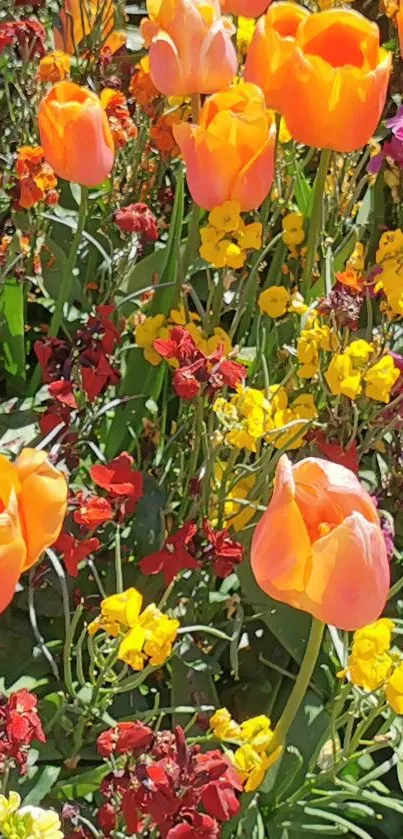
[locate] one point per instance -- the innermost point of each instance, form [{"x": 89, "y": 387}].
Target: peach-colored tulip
[
  {"x": 33, "y": 500},
  {"x": 247, "y": 8},
  {"x": 271, "y": 49},
  {"x": 319, "y": 545},
  {"x": 77, "y": 20},
  {"x": 230, "y": 154},
  {"x": 399, "y": 21},
  {"x": 337, "y": 81},
  {"x": 75, "y": 134},
  {"x": 190, "y": 46}
]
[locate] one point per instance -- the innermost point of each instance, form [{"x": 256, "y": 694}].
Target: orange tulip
[
  {"x": 247, "y": 8},
  {"x": 230, "y": 154},
  {"x": 319, "y": 546},
  {"x": 33, "y": 501},
  {"x": 79, "y": 18},
  {"x": 399, "y": 21},
  {"x": 75, "y": 134},
  {"x": 190, "y": 46},
  {"x": 271, "y": 50},
  {"x": 337, "y": 81}
]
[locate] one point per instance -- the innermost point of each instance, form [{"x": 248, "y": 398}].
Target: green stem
[
  {"x": 67, "y": 276},
  {"x": 315, "y": 220},
  {"x": 118, "y": 563},
  {"x": 301, "y": 685}
]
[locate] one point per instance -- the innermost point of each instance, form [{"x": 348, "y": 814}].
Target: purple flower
[{"x": 396, "y": 124}]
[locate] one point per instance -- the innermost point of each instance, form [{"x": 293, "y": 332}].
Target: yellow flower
[
  {"x": 360, "y": 352},
  {"x": 394, "y": 690},
  {"x": 179, "y": 317},
  {"x": 293, "y": 229},
  {"x": 296, "y": 303},
  {"x": 123, "y": 608},
  {"x": 131, "y": 647},
  {"x": 215, "y": 252},
  {"x": 54, "y": 67},
  {"x": 244, "y": 35},
  {"x": 45, "y": 824},
  {"x": 257, "y": 732},
  {"x": 249, "y": 236},
  {"x": 277, "y": 398},
  {"x": 210, "y": 235},
  {"x": 308, "y": 353},
  {"x": 284, "y": 134},
  {"x": 380, "y": 379},
  {"x": 373, "y": 639},
  {"x": 223, "y": 726},
  {"x": 304, "y": 406},
  {"x": 147, "y": 332},
  {"x": 371, "y": 673},
  {"x": 220, "y": 338},
  {"x": 370, "y": 663},
  {"x": 160, "y": 634},
  {"x": 227, "y": 217},
  {"x": 9, "y": 805},
  {"x": 390, "y": 244},
  {"x": 342, "y": 378},
  {"x": 357, "y": 260},
  {"x": 236, "y": 515},
  {"x": 112, "y": 628},
  {"x": 236, "y": 257},
  {"x": 253, "y": 766},
  {"x": 274, "y": 301}
]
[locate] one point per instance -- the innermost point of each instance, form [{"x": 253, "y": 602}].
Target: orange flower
[
  {"x": 142, "y": 87},
  {"x": 337, "y": 81},
  {"x": 247, "y": 8},
  {"x": 37, "y": 179},
  {"x": 230, "y": 154},
  {"x": 121, "y": 124},
  {"x": 75, "y": 134},
  {"x": 54, "y": 67},
  {"x": 271, "y": 50},
  {"x": 161, "y": 134},
  {"x": 319, "y": 546},
  {"x": 190, "y": 46},
  {"x": 78, "y": 19},
  {"x": 33, "y": 500},
  {"x": 352, "y": 279}
]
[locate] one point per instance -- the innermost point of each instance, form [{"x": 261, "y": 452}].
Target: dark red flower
[
  {"x": 107, "y": 818},
  {"x": 20, "y": 724},
  {"x": 137, "y": 218},
  {"x": 7, "y": 34},
  {"x": 126, "y": 737},
  {"x": 93, "y": 511},
  {"x": 336, "y": 453},
  {"x": 228, "y": 373},
  {"x": 53, "y": 358},
  {"x": 52, "y": 418},
  {"x": 220, "y": 801},
  {"x": 75, "y": 550},
  {"x": 176, "y": 554},
  {"x": 224, "y": 552},
  {"x": 180, "y": 345},
  {"x": 185, "y": 384},
  {"x": 62, "y": 391},
  {"x": 96, "y": 373},
  {"x": 130, "y": 812},
  {"x": 195, "y": 826},
  {"x": 119, "y": 478}
]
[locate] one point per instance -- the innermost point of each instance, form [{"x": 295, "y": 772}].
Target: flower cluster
[
  {"x": 121, "y": 124},
  {"x": 149, "y": 329},
  {"x": 227, "y": 239},
  {"x": 164, "y": 782},
  {"x": 187, "y": 549},
  {"x": 373, "y": 665},
  {"x": 313, "y": 338},
  {"x": 144, "y": 637},
  {"x": 54, "y": 66},
  {"x": 357, "y": 368},
  {"x": 20, "y": 725},
  {"x": 389, "y": 258},
  {"x": 36, "y": 179},
  {"x": 138, "y": 218},
  {"x": 252, "y": 415},
  {"x": 253, "y": 757},
  {"x": 27, "y": 822},
  {"x": 26, "y": 36}
]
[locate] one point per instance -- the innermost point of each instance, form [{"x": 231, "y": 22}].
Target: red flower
[
  {"x": 20, "y": 724},
  {"x": 7, "y": 32},
  {"x": 93, "y": 511},
  {"x": 195, "y": 826},
  {"x": 179, "y": 345},
  {"x": 176, "y": 555},
  {"x": 130, "y": 813},
  {"x": 126, "y": 737},
  {"x": 96, "y": 373},
  {"x": 52, "y": 418},
  {"x": 103, "y": 323},
  {"x": 228, "y": 373},
  {"x": 75, "y": 551},
  {"x": 107, "y": 818},
  {"x": 185, "y": 384},
  {"x": 62, "y": 391},
  {"x": 220, "y": 801},
  {"x": 53, "y": 355},
  {"x": 224, "y": 552},
  {"x": 336, "y": 453},
  {"x": 137, "y": 218},
  {"x": 118, "y": 477}
]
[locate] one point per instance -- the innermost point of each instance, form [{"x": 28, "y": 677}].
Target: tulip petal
[
  {"x": 203, "y": 158},
  {"x": 165, "y": 66},
  {"x": 9, "y": 481},
  {"x": 42, "y": 502},
  {"x": 349, "y": 580},
  {"x": 12, "y": 551},
  {"x": 254, "y": 182},
  {"x": 218, "y": 61},
  {"x": 281, "y": 549}
]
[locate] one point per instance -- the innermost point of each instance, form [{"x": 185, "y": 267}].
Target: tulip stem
[
  {"x": 301, "y": 684},
  {"x": 315, "y": 220},
  {"x": 195, "y": 102},
  {"x": 67, "y": 275}
]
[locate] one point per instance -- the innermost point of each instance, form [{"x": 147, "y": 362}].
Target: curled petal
[
  {"x": 165, "y": 67},
  {"x": 42, "y": 502},
  {"x": 255, "y": 180}
]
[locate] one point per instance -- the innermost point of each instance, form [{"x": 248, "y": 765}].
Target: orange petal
[
  {"x": 12, "y": 551},
  {"x": 42, "y": 502}
]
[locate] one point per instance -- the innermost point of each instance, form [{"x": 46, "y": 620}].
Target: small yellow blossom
[
  {"x": 293, "y": 229},
  {"x": 236, "y": 257},
  {"x": 179, "y": 316},
  {"x": 223, "y": 726},
  {"x": 215, "y": 252},
  {"x": 123, "y": 608},
  {"x": 284, "y": 134},
  {"x": 258, "y": 732},
  {"x": 249, "y": 236},
  {"x": 360, "y": 352},
  {"x": 54, "y": 67},
  {"x": 342, "y": 378},
  {"x": 160, "y": 634},
  {"x": 146, "y": 333},
  {"x": 380, "y": 379},
  {"x": 244, "y": 35},
  {"x": 390, "y": 244},
  {"x": 227, "y": 217},
  {"x": 394, "y": 690},
  {"x": 236, "y": 515},
  {"x": 45, "y": 824},
  {"x": 9, "y": 805},
  {"x": 252, "y": 766},
  {"x": 210, "y": 235},
  {"x": 274, "y": 301},
  {"x": 356, "y": 261},
  {"x": 370, "y": 664}
]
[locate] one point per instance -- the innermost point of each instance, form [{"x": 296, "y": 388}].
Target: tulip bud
[{"x": 75, "y": 134}]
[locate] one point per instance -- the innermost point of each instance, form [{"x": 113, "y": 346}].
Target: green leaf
[
  {"x": 149, "y": 524},
  {"x": 80, "y": 785},
  {"x": 47, "y": 778},
  {"x": 12, "y": 338}
]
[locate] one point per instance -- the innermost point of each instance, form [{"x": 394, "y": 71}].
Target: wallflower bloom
[
  {"x": 33, "y": 499},
  {"x": 342, "y": 378},
  {"x": 247, "y": 8},
  {"x": 270, "y": 52},
  {"x": 190, "y": 46},
  {"x": 337, "y": 61},
  {"x": 274, "y": 301},
  {"x": 394, "y": 690},
  {"x": 230, "y": 154},
  {"x": 54, "y": 67},
  {"x": 370, "y": 663},
  {"x": 75, "y": 134},
  {"x": 380, "y": 379},
  {"x": 319, "y": 546}
]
